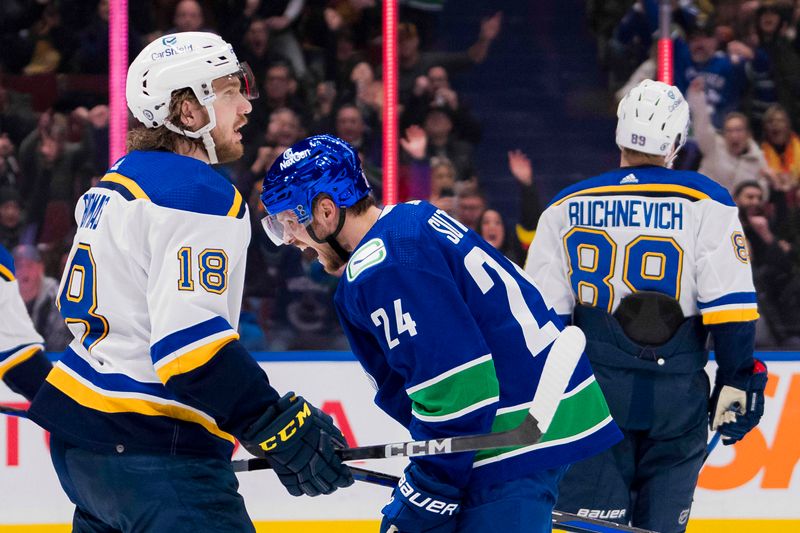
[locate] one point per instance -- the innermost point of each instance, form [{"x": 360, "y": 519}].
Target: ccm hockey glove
[
  {"x": 419, "y": 504},
  {"x": 734, "y": 411},
  {"x": 299, "y": 440}
]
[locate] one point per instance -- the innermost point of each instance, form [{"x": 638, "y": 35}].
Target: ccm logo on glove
[
  {"x": 426, "y": 502},
  {"x": 288, "y": 430}
]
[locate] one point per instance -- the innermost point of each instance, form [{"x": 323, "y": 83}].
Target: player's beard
[{"x": 228, "y": 150}]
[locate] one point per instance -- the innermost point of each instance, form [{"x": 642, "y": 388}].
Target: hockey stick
[
  {"x": 561, "y": 520},
  {"x": 572, "y": 522},
  {"x": 13, "y": 411},
  {"x": 718, "y": 435},
  {"x": 561, "y": 362}
]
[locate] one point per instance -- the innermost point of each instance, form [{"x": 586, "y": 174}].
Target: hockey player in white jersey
[
  {"x": 648, "y": 261},
  {"x": 146, "y": 403},
  {"x": 23, "y": 365}
]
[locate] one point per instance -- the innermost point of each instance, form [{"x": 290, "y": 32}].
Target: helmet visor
[
  {"x": 248, "y": 86},
  {"x": 282, "y": 227}
]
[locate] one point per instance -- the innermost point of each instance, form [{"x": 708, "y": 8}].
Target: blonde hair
[{"x": 160, "y": 138}]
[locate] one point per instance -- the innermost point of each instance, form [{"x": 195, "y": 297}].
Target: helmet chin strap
[
  {"x": 343, "y": 254},
  {"x": 204, "y": 133}
]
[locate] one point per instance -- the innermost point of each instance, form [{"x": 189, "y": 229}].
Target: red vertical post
[
  {"x": 390, "y": 74},
  {"x": 117, "y": 72},
  {"x": 664, "y": 42}
]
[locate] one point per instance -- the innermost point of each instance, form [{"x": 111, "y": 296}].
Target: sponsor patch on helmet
[{"x": 290, "y": 157}]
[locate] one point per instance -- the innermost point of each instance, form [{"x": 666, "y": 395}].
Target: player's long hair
[{"x": 160, "y": 138}]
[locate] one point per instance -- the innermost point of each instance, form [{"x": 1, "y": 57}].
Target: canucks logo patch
[{"x": 369, "y": 254}]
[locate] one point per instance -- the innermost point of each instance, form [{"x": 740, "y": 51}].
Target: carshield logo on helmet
[
  {"x": 169, "y": 40},
  {"x": 171, "y": 51}
]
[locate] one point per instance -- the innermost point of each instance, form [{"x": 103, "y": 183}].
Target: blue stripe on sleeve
[
  {"x": 112, "y": 382},
  {"x": 184, "y": 337},
  {"x": 117, "y": 187},
  {"x": 733, "y": 298}
]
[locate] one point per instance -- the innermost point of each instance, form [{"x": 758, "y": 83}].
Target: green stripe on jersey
[
  {"x": 456, "y": 394},
  {"x": 575, "y": 414}
]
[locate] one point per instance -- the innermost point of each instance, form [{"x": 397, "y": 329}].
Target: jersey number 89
[{"x": 650, "y": 264}]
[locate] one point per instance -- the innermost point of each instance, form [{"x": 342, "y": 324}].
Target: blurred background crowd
[{"x": 488, "y": 92}]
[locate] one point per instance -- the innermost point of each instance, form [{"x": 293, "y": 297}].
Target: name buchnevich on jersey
[{"x": 633, "y": 213}]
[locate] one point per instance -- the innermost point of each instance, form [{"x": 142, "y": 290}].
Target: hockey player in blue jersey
[
  {"x": 648, "y": 261},
  {"x": 23, "y": 365},
  {"x": 146, "y": 404},
  {"x": 454, "y": 337}
]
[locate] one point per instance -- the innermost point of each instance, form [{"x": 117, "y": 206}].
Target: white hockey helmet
[
  {"x": 177, "y": 61},
  {"x": 653, "y": 118}
]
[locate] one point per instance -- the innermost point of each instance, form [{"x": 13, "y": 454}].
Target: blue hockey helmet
[{"x": 313, "y": 166}]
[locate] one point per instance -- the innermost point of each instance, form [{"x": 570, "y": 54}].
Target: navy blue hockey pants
[
  {"x": 647, "y": 479},
  {"x": 517, "y": 506},
  {"x": 130, "y": 493}
]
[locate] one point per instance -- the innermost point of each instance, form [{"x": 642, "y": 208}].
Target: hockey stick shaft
[
  {"x": 13, "y": 411},
  {"x": 572, "y": 522},
  {"x": 525, "y": 434},
  {"x": 561, "y": 520}
]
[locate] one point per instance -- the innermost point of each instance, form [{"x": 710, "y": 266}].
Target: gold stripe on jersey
[
  {"x": 652, "y": 187},
  {"x": 237, "y": 203},
  {"x": 6, "y": 274},
  {"x": 18, "y": 358},
  {"x": 730, "y": 315},
  {"x": 128, "y": 183},
  {"x": 193, "y": 359},
  {"x": 93, "y": 399}
]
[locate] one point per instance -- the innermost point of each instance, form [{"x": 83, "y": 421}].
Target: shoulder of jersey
[
  {"x": 394, "y": 240},
  {"x": 174, "y": 181},
  {"x": 6, "y": 265},
  {"x": 649, "y": 181}
]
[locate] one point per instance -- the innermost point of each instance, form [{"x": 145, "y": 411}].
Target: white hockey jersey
[
  {"x": 19, "y": 341},
  {"x": 152, "y": 292},
  {"x": 645, "y": 228}
]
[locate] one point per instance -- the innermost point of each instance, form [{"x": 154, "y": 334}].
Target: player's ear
[
  {"x": 327, "y": 210},
  {"x": 191, "y": 115}
]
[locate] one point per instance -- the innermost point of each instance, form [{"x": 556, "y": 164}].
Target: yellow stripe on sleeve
[
  {"x": 93, "y": 399},
  {"x": 6, "y": 274},
  {"x": 128, "y": 183},
  {"x": 18, "y": 358},
  {"x": 237, "y": 203},
  {"x": 730, "y": 315},
  {"x": 193, "y": 359}
]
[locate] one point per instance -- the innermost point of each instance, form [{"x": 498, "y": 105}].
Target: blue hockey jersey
[{"x": 455, "y": 337}]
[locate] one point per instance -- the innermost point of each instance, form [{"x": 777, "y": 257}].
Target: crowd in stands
[
  {"x": 738, "y": 64},
  {"x": 318, "y": 63}
]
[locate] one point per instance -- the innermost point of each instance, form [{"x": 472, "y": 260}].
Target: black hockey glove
[
  {"x": 299, "y": 440},
  {"x": 734, "y": 411}
]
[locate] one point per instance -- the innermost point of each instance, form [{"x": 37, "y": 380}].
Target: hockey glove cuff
[
  {"x": 299, "y": 441},
  {"x": 420, "y": 503},
  {"x": 735, "y": 411}
]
